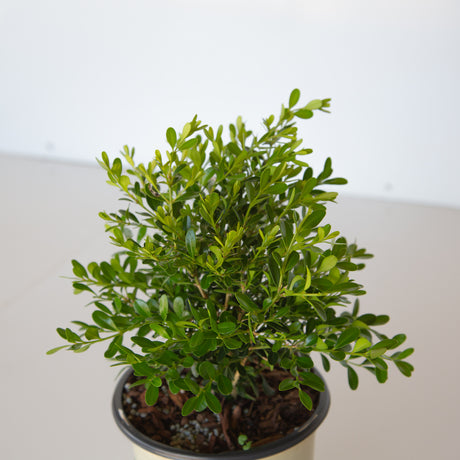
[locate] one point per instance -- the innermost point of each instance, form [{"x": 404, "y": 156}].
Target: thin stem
[{"x": 197, "y": 284}]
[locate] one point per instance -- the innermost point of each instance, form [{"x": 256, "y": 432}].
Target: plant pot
[{"x": 297, "y": 445}]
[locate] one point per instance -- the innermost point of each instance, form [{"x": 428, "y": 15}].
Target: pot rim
[{"x": 266, "y": 450}]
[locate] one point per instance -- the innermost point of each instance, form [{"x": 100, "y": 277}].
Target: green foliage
[
  {"x": 243, "y": 442},
  {"x": 225, "y": 268}
]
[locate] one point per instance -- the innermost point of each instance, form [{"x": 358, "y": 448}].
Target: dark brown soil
[{"x": 264, "y": 420}]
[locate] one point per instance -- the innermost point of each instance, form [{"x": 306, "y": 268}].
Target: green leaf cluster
[{"x": 225, "y": 267}]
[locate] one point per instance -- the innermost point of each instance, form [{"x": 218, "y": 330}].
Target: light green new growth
[{"x": 226, "y": 268}]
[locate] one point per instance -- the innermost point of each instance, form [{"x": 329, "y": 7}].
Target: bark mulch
[{"x": 264, "y": 420}]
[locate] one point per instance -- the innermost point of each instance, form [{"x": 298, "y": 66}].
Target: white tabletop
[{"x": 58, "y": 407}]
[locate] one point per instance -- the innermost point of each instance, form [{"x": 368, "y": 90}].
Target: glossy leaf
[
  {"x": 151, "y": 395},
  {"x": 246, "y": 303},
  {"x": 163, "y": 306},
  {"x": 213, "y": 403},
  {"x": 224, "y": 384},
  {"x": 190, "y": 242},
  {"x": 305, "y": 400},
  {"x": 353, "y": 380},
  {"x": 347, "y": 336},
  {"x": 189, "y": 406},
  {"x": 142, "y": 308},
  {"x": 312, "y": 380}
]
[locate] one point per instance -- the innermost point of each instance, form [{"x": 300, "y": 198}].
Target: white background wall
[{"x": 77, "y": 77}]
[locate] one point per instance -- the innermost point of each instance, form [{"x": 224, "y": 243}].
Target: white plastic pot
[{"x": 298, "y": 445}]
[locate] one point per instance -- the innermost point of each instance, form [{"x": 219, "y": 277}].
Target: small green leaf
[
  {"x": 117, "y": 167},
  {"x": 189, "y": 406},
  {"x": 146, "y": 343},
  {"x": 160, "y": 330},
  {"x": 246, "y": 303},
  {"x": 376, "y": 352},
  {"x": 156, "y": 381},
  {"x": 207, "y": 370},
  {"x": 297, "y": 284},
  {"x": 312, "y": 380},
  {"x": 405, "y": 368},
  {"x": 277, "y": 189},
  {"x": 338, "y": 355},
  {"x": 311, "y": 340},
  {"x": 321, "y": 345},
  {"x": 188, "y": 361},
  {"x": 224, "y": 384},
  {"x": 142, "y": 308},
  {"x": 105, "y": 159},
  {"x": 348, "y": 335},
  {"x": 190, "y": 242},
  {"x": 212, "y": 402},
  {"x": 328, "y": 263},
  {"x": 113, "y": 347},
  {"x": 103, "y": 320},
  {"x": 361, "y": 344},
  {"x": 380, "y": 320},
  {"x": 305, "y": 400},
  {"x": 286, "y": 384},
  {"x": 305, "y": 362},
  {"x": 143, "y": 370},
  {"x": 192, "y": 385},
  {"x": 179, "y": 306},
  {"x": 78, "y": 269},
  {"x": 189, "y": 144},
  {"x": 399, "y": 339},
  {"x": 54, "y": 350},
  {"x": 381, "y": 374},
  {"x": 171, "y": 137},
  {"x": 274, "y": 269},
  {"x": 292, "y": 261},
  {"x": 232, "y": 343},
  {"x": 403, "y": 354},
  {"x": 294, "y": 98},
  {"x": 124, "y": 182},
  {"x": 197, "y": 339},
  {"x": 314, "y": 105},
  {"x": 326, "y": 363},
  {"x": 79, "y": 348},
  {"x": 72, "y": 336},
  {"x": 352, "y": 378},
  {"x": 242, "y": 438},
  {"x": 227, "y": 327},
  {"x": 81, "y": 287},
  {"x": 163, "y": 305},
  {"x": 303, "y": 113}
]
